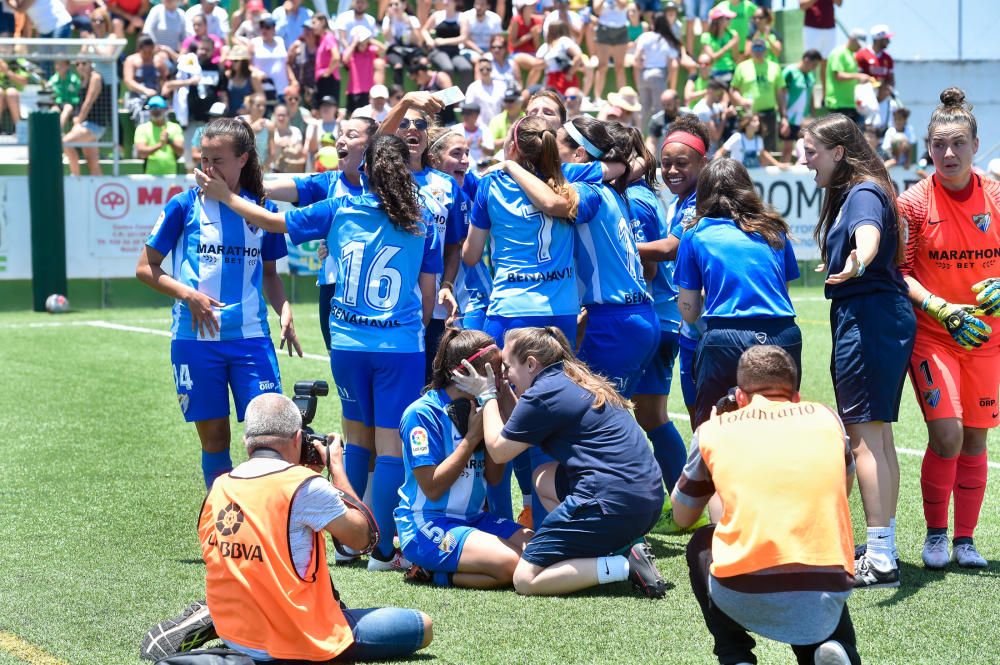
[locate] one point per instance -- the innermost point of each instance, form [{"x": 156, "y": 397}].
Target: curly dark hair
[
  {"x": 390, "y": 180},
  {"x": 239, "y": 132}
]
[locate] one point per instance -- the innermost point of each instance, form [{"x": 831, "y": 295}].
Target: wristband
[
  {"x": 447, "y": 285},
  {"x": 926, "y": 302},
  {"x": 861, "y": 268},
  {"x": 482, "y": 399}
]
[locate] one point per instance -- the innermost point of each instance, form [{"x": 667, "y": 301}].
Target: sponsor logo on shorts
[
  {"x": 185, "y": 401},
  {"x": 982, "y": 222},
  {"x": 267, "y": 385},
  {"x": 932, "y": 397},
  {"x": 448, "y": 543},
  {"x": 986, "y": 401},
  {"x": 419, "y": 444}
]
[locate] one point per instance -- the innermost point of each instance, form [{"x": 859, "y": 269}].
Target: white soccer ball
[{"x": 56, "y": 304}]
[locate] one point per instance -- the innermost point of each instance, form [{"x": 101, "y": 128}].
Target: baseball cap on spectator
[
  {"x": 360, "y": 33},
  {"x": 329, "y": 99},
  {"x": 378, "y": 92},
  {"x": 238, "y": 52},
  {"x": 881, "y": 31},
  {"x": 470, "y": 107},
  {"x": 217, "y": 110},
  {"x": 670, "y": 4},
  {"x": 859, "y": 34},
  {"x": 758, "y": 45},
  {"x": 266, "y": 19},
  {"x": 720, "y": 12},
  {"x": 255, "y": 6},
  {"x": 156, "y": 102},
  {"x": 511, "y": 93}
]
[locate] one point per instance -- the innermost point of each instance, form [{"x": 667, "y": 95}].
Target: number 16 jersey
[{"x": 377, "y": 303}]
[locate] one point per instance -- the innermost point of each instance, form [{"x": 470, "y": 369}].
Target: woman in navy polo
[
  {"x": 872, "y": 322},
  {"x": 604, "y": 490},
  {"x": 739, "y": 254}
]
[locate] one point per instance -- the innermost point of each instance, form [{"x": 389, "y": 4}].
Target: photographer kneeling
[
  {"x": 780, "y": 562},
  {"x": 267, "y": 582}
]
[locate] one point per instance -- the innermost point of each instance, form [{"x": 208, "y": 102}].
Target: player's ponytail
[
  {"x": 458, "y": 345},
  {"x": 385, "y": 160},
  {"x": 631, "y": 138},
  {"x": 536, "y": 149},
  {"x": 548, "y": 346},
  {"x": 241, "y": 135},
  {"x": 953, "y": 110}
]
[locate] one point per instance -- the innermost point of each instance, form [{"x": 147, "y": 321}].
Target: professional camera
[
  {"x": 727, "y": 403},
  {"x": 305, "y": 396}
]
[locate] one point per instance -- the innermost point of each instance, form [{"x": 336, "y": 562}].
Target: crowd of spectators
[{"x": 296, "y": 72}]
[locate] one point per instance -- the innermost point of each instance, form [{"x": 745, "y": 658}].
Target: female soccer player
[
  {"x": 608, "y": 265},
  {"x": 387, "y": 260},
  {"x": 872, "y": 321},
  {"x": 608, "y": 491},
  {"x": 739, "y": 254},
  {"x": 223, "y": 267},
  {"x": 955, "y": 368},
  {"x": 442, "y": 527},
  {"x": 440, "y": 198}
]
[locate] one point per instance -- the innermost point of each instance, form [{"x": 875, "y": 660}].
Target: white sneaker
[
  {"x": 935, "y": 554},
  {"x": 831, "y": 653},
  {"x": 342, "y": 560},
  {"x": 967, "y": 556},
  {"x": 397, "y": 563}
]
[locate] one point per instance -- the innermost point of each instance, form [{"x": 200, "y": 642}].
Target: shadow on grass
[
  {"x": 914, "y": 577},
  {"x": 668, "y": 547},
  {"x": 199, "y": 562}
]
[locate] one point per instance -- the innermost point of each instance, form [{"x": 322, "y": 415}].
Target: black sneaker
[
  {"x": 188, "y": 631},
  {"x": 642, "y": 571},
  {"x": 418, "y": 575},
  {"x": 859, "y": 551},
  {"x": 867, "y": 576}
]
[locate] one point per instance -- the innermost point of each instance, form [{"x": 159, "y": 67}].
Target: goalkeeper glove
[
  {"x": 967, "y": 331},
  {"x": 988, "y": 295}
]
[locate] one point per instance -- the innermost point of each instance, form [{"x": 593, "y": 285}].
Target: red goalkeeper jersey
[{"x": 953, "y": 242}]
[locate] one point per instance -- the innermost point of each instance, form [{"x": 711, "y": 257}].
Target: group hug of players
[{"x": 462, "y": 309}]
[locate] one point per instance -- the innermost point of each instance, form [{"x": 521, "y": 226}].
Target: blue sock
[
  {"x": 385, "y": 497},
  {"x": 670, "y": 453},
  {"x": 214, "y": 465},
  {"x": 498, "y": 495},
  {"x": 356, "y": 461},
  {"x": 522, "y": 470}
]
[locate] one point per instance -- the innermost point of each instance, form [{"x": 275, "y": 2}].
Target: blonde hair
[{"x": 548, "y": 346}]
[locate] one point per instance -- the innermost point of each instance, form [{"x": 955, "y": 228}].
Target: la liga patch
[{"x": 419, "y": 444}]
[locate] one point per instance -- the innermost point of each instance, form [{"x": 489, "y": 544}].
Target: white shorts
[{"x": 822, "y": 39}]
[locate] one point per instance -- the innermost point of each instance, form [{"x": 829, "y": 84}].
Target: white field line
[{"x": 312, "y": 356}]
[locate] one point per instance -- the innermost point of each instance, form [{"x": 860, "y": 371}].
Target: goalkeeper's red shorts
[{"x": 952, "y": 382}]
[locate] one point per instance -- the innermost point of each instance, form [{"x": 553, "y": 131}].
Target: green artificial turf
[{"x": 100, "y": 486}]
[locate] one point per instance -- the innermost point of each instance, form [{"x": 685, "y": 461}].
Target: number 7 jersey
[{"x": 377, "y": 304}]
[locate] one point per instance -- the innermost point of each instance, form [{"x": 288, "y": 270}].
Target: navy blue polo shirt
[
  {"x": 742, "y": 275},
  {"x": 864, "y": 204},
  {"x": 604, "y": 452}
]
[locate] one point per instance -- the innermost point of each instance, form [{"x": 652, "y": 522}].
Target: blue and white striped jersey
[
  {"x": 429, "y": 437},
  {"x": 377, "y": 303},
  {"x": 473, "y": 284},
  {"x": 444, "y": 207},
  {"x": 326, "y": 185},
  {"x": 216, "y": 252},
  {"x": 649, "y": 217},
  {"x": 531, "y": 253},
  {"x": 607, "y": 259}
]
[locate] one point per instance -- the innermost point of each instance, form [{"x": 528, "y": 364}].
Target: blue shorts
[
  {"x": 619, "y": 342},
  {"x": 437, "y": 545},
  {"x": 873, "y": 338},
  {"x": 659, "y": 373},
  {"x": 474, "y": 319},
  {"x": 375, "y": 388},
  {"x": 719, "y": 352},
  {"x": 687, "y": 348},
  {"x": 205, "y": 372},
  {"x": 579, "y": 529},
  {"x": 699, "y": 9},
  {"x": 497, "y": 326}
]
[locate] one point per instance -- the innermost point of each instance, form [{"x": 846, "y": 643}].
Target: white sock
[
  {"x": 880, "y": 547},
  {"x": 892, "y": 537},
  {"x": 612, "y": 569}
]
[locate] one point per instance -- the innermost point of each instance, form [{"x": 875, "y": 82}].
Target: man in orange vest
[
  {"x": 267, "y": 580},
  {"x": 780, "y": 562}
]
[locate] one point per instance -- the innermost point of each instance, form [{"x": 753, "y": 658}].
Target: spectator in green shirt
[
  {"x": 159, "y": 141},
  {"x": 758, "y": 86},
  {"x": 65, "y": 87},
  {"x": 742, "y": 11},
  {"x": 720, "y": 43},
  {"x": 799, "y": 81},
  {"x": 842, "y": 76},
  {"x": 763, "y": 27}
]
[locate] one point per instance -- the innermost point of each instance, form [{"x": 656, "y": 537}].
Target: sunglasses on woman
[{"x": 419, "y": 124}]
